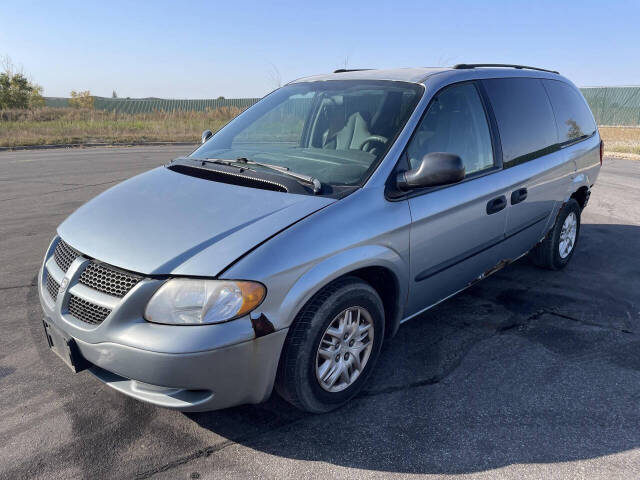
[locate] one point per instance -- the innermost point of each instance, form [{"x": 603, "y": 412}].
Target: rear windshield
[
  {"x": 573, "y": 116},
  {"x": 336, "y": 131}
]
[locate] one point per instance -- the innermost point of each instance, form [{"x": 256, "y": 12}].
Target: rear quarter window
[
  {"x": 524, "y": 116},
  {"x": 573, "y": 116}
]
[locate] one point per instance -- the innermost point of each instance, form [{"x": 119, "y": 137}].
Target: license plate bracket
[{"x": 65, "y": 347}]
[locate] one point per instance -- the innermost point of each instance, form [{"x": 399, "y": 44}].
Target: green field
[{"x": 48, "y": 126}]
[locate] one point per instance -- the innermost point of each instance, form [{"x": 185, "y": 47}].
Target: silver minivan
[{"x": 284, "y": 250}]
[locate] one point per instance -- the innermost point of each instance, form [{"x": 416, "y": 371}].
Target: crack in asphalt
[
  {"x": 64, "y": 190},
  {"x": 12, "y": 287},
  {"x": 29, "y": 180},
  {"x": 545, "y": 311},
  {"x": 207, "y": 451},
  {"x": 501, "y": 329},
  {"x": 513, "y": 325},
  {"x": 591, "y": 324},
  {"x": 407, "y": 386}
]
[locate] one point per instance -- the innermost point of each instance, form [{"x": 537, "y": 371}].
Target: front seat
[{"x": 349, "y": 137}]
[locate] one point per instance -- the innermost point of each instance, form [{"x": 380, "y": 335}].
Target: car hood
[{"x": 163, "y": 222}]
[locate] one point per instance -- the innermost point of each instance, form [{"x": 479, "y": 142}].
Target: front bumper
[
  {"x": 189, "y": 368},
  {"x": 201, "y": 381}
]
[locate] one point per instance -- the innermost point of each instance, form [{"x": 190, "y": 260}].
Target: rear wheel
[
  {"x": 555, "y": 251},
  {"x": 332, "y": 346}
]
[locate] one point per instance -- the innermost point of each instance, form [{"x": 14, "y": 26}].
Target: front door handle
[
  {"x": 518, "y": 196},
  {"x": 497, "y": 204}
]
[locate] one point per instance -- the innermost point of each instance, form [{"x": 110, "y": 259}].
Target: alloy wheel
[
  {"x": 344, "y": 349},
  {"x": 568, "y": 235}
]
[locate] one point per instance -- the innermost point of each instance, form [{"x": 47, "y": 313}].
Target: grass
[
  {"x": 67, "y": 125},
  {"x": 621, "y": 139},
  {"x": 48, "y": 126}
]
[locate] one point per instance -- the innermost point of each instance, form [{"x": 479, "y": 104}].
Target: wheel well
[
  {"x": 581, "y": 196},
  {"x": 386, "y": 284}
]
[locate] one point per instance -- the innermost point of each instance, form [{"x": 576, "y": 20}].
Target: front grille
[
  {"x": 96, "y": 276},
  {"x": 108, "y": 279},
  {"x": 52, "y": 286},
  {"x": 64, "y": 255},
  {"x": 86, "y": 311}
]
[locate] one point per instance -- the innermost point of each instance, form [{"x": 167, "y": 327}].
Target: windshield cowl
[{"x": 245, "y": 177}]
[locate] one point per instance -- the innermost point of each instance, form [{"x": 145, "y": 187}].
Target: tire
[
  {"x": 550, "y": 253},
  {"x": 298, "y": 379}
]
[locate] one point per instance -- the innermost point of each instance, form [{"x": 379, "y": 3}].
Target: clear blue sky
[{"x": 205, "y": 49}]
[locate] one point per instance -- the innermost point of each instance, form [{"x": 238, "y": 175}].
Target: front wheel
[
  {"x": 555, "y": 251},
  {"x": 332, "y": 346}
]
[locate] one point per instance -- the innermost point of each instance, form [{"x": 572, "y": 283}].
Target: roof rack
[
  {"x": 345, "y": 70},
  {"x": 464, "y": 66}
]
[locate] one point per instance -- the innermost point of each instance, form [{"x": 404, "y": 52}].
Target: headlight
[{"x": 183, "y": 301}]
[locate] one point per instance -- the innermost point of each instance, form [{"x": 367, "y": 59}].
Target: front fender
[
  {"x": 342, "y": 263},
  {"x": 361, "y": 230}
]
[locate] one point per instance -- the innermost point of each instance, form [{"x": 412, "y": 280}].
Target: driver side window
[{"x": 454, "y": 123}]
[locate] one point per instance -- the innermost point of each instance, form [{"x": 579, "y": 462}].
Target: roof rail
[
  {"x": 345, "y": 70},
  {"x": 464, "y": 66}
]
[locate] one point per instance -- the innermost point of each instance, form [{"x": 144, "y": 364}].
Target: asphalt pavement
[{"x": 528, "y": 374}]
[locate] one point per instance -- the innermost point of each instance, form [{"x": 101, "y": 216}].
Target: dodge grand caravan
[{"x": 284, "y": 250}]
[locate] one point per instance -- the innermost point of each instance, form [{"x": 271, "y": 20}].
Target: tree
[
  {"x": 36, "y": 100},
  {"x": 114, "y": 94},
  {"x": 81, "y": 99},
  {"x": 574, "y": 129},
  {"x": 16, "y": 91}
]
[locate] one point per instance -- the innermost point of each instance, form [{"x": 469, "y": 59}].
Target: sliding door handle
[
  {"x": 518, "y": 196},
  {"x": 497, "y": 204}
]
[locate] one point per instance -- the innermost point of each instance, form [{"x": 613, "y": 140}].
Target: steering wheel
[{"x": 372, "y": 139}]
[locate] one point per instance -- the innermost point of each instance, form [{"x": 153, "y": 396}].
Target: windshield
[{"x": 335, "y": 131}]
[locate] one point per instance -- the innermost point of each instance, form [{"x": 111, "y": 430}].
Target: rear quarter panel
[{"x": 586, "y": 156}]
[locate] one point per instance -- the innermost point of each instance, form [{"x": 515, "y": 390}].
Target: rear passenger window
[
  {"x": 524, "y": 116},
  {"x": 573, "y": 116},
  {"x": 454, "y": 123}
]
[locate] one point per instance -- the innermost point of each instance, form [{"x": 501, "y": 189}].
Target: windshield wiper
[
  {"x": 242, "y": 163},
  {"x": 317, "y": 185},
  {"x": 222, "y": 161}
]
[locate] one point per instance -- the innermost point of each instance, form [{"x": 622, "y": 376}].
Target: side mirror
[
  {"x": 206, "y": 135},
  {"x": 435, "y": 169}
]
